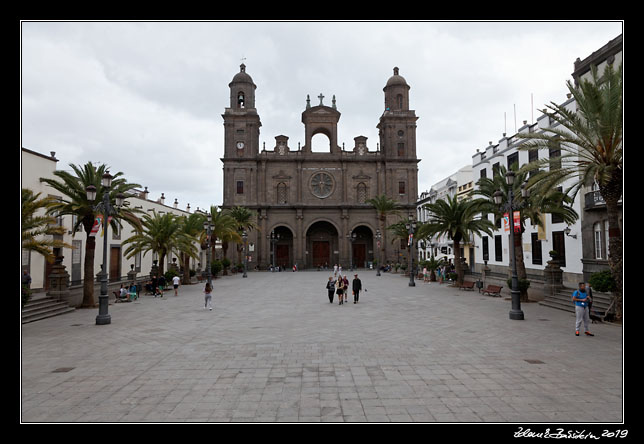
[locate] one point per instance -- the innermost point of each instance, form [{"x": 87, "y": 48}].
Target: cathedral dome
[
  {"x": 242, "y": 76},
  {"x": 396, "y": 79}
]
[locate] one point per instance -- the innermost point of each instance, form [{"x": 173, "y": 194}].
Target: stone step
[
  {"x": 562, "y": 300},
  {"x": 40, "y": 302},
  {"x": 44, "y": 308}
]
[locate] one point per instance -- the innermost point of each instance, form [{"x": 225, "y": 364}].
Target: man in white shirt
[{"x": 175, "y": 282}]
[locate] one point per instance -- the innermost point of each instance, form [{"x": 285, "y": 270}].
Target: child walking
[{"x": 208, "y": 297}]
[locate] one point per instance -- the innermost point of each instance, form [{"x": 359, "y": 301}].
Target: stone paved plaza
[{"x": 274, "y": 349}]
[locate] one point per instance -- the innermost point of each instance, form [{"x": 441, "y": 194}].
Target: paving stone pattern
[{"x": 275, "y": 350}]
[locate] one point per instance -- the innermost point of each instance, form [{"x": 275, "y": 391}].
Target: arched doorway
[
  {"x": 362, "y": 251},
  {"x": 321, "y": 245},
  {"x": 282, "y": 250}
]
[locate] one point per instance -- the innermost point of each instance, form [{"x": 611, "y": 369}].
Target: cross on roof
[{"x": 320, "y": 97}]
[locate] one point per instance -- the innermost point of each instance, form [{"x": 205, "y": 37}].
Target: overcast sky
[{"x": 146, "y": 98}]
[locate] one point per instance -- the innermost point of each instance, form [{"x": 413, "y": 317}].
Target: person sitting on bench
[{"x": 133, "y": 292}]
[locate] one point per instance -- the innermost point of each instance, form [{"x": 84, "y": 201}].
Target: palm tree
[
  {"x": 537, "y": 203},
  {"x": 398, "y": 232},
  {"x": 590, "y": 140},
  {"x": 192, "y": 226},
  {"x": 432, "y": 264},
  {"x": 161, "y": 234},
  {"x": 384, "y": 207},
  {"x": 245, "y": 220},
  {"x": 224, "y": 229},
  {"x": 457, "y": 220},
  {"x": 74, "y": 202},
  {"x": 34, "y": 227}
]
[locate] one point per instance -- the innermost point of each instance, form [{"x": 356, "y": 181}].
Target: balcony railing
[{"x": 595, "y": 200}]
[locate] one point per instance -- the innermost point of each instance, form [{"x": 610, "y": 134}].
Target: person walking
[
  {"x": 357, "y": 286},
  {"x": 208, "y": 297},
  {"x": 339, "y": 289},
  {"x": 162, "y": 284},
  {"x": 26, "y": 279},
  {"x": 581, "y": 300},
  {"x": 175, "y": 284},
  {"x": 425, "y": 277},
  {"x": 346, "y": 287},
  {"x": 335, "y": 271},
  {"x": 339, "y": 270},
  {"x": 330, "y": 286}
]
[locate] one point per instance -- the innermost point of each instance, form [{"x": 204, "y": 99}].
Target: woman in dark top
[{"x": 339, "y": 285}]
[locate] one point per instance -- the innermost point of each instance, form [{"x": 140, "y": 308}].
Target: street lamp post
[
  {"x": 245, "y": 237},
  {"x": 274, "y": 237},
  {"x": 411, "y": 228},
  {"x": 378, "y": 237},
  {"x": 515, "y": 313},
  {"x": 105, "y": 207},
  {"x": 352, "y": 238},
  {"x": 207, "y": 225}
]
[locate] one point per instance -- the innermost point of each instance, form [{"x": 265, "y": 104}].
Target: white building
[
  {"x": 36, "y": 165},
  {"x": 537, "y": 243},
  {"x": 460, "y": 184}
]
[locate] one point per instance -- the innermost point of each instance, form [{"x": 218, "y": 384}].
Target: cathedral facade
[{"x": 312, "y": 206}]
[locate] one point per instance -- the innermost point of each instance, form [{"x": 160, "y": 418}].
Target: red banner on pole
[{"x": 517, "y": 221}]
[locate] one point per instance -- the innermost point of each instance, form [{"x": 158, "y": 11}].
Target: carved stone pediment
[
  {"x": 281, "y": 175},
  {"x": 361, "y": 176}
]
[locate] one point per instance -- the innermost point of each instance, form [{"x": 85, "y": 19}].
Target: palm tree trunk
[
  {"x": 518, "y": 256},
  {"x": 186, "y": 269},
  {"x": 457, "y": 261},
  {"x": 88, "y": 273},
  {"x": 615, "y": 258},
  {"x": 239, "y": 252},
  {"x": 611, "y": 193},
  {"x": 383, "y": 259},
  {"x": 224, "y": 247},
  {"x": 162, "y": 256}
]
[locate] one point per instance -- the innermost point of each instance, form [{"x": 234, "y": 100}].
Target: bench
[
  {"x": 118, "y": 298},
  {"x": 466, "y": 286},
  {"x": 492, "y": 290}
]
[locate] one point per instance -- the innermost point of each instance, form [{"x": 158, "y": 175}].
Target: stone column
[
  {"x": 553, "y": 277},
  {"x": 298, "y": 240},
  {"x": 173, "y": 266},
  {"x": 154, "y": 270},
  {"x": 131, "y": 275},
  {"x": 59, "y": 281}
]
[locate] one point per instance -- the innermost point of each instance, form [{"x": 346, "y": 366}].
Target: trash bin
[{"x": 479, "y": 284}]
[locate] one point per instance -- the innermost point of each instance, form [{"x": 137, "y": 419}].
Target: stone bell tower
[{"x": 241, "y": 142}]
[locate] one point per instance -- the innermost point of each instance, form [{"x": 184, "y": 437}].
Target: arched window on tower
[
  {"x": 362, "y": 193},
  {"x": 282, "y": 193},
  {"x": 399, "y": 101},
  {"x": 240, "y": 99}
]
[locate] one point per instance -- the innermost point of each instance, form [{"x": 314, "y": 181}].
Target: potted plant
[
  {"x": 215, "y": 267},
  {"x": 225, "y": 263}
]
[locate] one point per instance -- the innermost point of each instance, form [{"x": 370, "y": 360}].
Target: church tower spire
[{"x": 242, "y": 90}]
